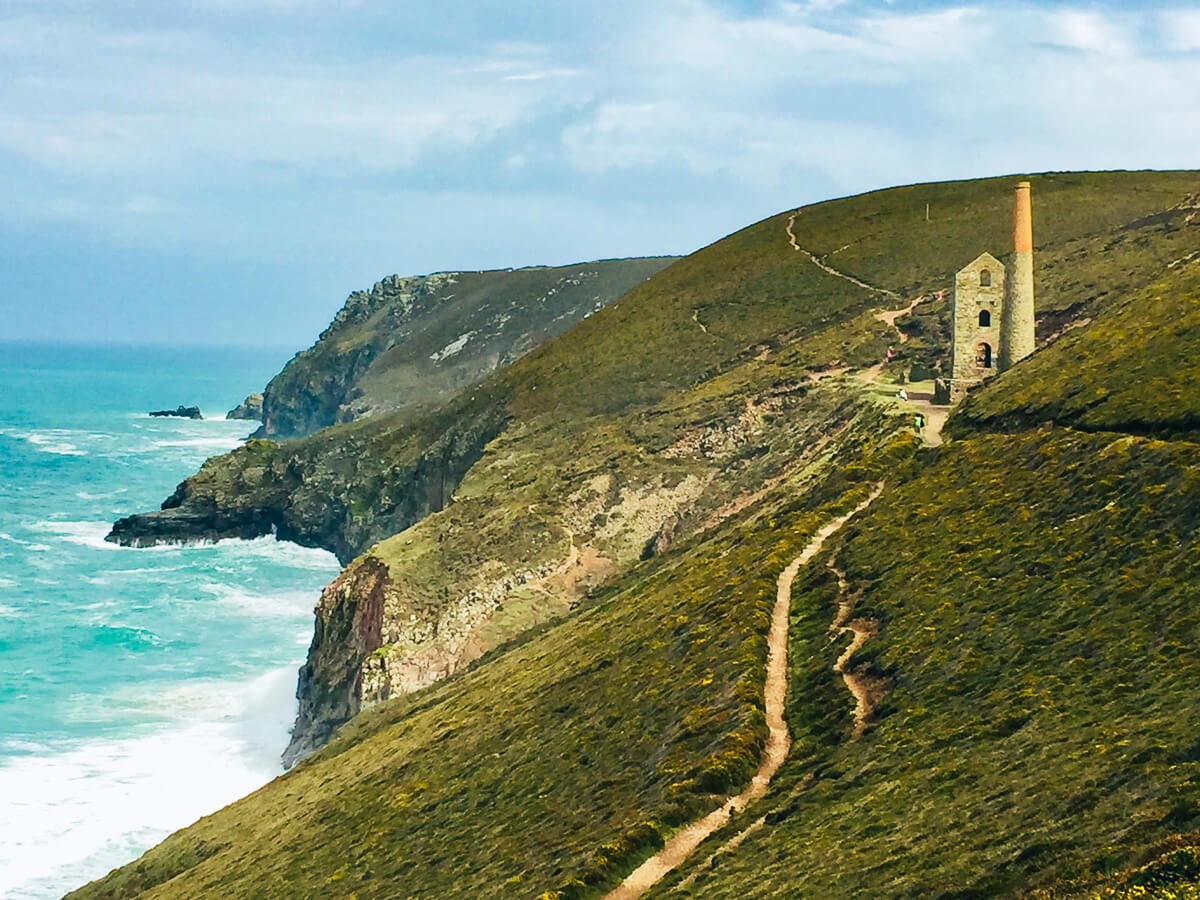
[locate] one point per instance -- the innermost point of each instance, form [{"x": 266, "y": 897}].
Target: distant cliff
[{"x": 413, "y": 340}]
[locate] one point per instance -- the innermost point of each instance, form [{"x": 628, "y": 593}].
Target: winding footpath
[
  {"x": 935, "y": 416},
  {"x": 820, "y": 263},
  {"x": 889, "y": 316},
  {"x": 686, "y": 840},
  {"x": 862, "y": 689}
]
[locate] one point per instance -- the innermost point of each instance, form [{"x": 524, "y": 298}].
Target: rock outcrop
[
  {"x": 182, "y": 412},
  {"x": 251, "y": 408},
  {"x": 348, "y": 629}
]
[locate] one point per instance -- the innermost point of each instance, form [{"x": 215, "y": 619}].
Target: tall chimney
[{"x": 1017, "y": 339}]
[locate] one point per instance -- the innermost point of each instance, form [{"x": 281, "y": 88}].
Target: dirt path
[
  {"x": 684, "y": 842},
  {"x": 820, "y": 263},
  {"x": 889, "y": 316},
  {"x": 935, "y": 418},
  {"x": 865, "y": 690},
  {"x": 738, "y": 839}
]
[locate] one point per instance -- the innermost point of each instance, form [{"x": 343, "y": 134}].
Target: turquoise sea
[{"x": 139, "y": 689}]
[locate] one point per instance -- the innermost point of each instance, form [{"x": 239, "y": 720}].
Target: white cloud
[
  {"x": 1181, "y": 29},
  {"x": 147, "y": 120},
  {"x": 1090, "y": 31},
  {"x": 84, "y": 99},
  {"x": 888, "y": 96}
]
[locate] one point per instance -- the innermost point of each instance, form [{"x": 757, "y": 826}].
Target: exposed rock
[
  {"x": 250, "y": 408},
  {"x": 412, "y": 340},
  {"x": 343, "y": 490},
  {"x": 348, "y": 627},
  {"x": 182, "y": 412}
]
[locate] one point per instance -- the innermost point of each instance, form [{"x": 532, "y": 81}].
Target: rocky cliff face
[
  {"x": 342, "y": 490},
  {"x": 651, "y": 422},
  {"x": 348, "y": 627},
  {"x": 414, "y": 340},
  {"x": 251, "y": 408}
]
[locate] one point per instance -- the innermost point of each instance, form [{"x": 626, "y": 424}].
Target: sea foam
[
  {"x": 139, "y": 688},
  {"x": 72, "y": 813}
]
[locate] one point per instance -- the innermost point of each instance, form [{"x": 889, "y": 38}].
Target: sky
[{"x": 227, "y": 171}]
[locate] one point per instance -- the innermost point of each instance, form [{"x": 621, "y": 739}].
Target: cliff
[
  {"x": 342, "y": 489},
  {"x": 564, "y": 660},
  {"x": 418, "y": 340},
  {"x": 648, "y": 421}
]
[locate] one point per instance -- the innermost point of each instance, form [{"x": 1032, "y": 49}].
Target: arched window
[
  {"x": 985, "y": 278},
  {"x": 985, "y": 318},
  {"x": 983, "y": 356}
]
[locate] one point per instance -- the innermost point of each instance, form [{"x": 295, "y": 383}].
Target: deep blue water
[{"x": 139, "y": 689}]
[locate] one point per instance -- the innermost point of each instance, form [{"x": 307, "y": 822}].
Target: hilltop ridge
[{"x": 416, "y": 340}]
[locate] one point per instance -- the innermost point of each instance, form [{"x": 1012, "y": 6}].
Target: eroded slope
[{"x": 510, "y": 778}]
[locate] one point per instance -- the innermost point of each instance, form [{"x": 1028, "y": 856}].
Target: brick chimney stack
[{"x": 1017, "y": 329}]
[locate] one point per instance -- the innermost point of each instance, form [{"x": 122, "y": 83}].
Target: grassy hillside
[
  {"x": 1174, "y": 875},
  {"x": 1038, "y": 632},
  {"x": 752, "y": 290},
  {"x": 1036, "y": 600},
  {"x": 508, "y": 779}
]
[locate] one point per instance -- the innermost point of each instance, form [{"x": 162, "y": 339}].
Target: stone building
[{"x": 993, "y": 326}]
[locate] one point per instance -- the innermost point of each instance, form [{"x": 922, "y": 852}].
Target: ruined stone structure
[{"x": 993, "y": 324}]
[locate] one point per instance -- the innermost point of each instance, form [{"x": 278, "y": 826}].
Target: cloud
[
  {"x": 1091, "y": 31},
  {"x": 1181, "y": 29},
  {"x": 261, "y": 126}
]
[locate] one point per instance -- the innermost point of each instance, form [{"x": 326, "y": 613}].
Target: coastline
[{"x": 139, "y": 689}]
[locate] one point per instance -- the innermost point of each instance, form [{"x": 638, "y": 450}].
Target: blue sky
[{"x": 226, "y": 171}]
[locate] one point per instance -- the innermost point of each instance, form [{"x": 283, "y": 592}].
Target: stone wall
[{"x": 979, "y": 288}]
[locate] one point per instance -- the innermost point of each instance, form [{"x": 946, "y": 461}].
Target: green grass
[
  {"x": 513, "y": 778},
  {"x": 751, "y": 289},
  {"x": 1037, "y": 602},
  {"x": 1175, "y": 875}
]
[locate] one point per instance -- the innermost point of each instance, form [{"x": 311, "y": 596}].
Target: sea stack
[{"x": 1018, "y": 325}]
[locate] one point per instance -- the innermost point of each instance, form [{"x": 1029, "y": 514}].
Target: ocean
[{"x": 139, "y": 688}]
